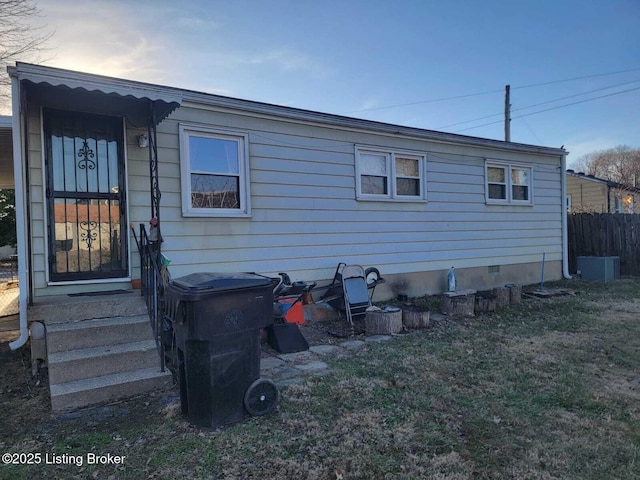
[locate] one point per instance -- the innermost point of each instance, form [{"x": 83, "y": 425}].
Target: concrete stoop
[{"x": 99, "y": 349}]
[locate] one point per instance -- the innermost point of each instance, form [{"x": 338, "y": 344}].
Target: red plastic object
[{"x": 294, "y": 313}]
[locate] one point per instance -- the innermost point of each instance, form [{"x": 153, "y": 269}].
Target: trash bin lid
[{"x": 208, "y": 282}]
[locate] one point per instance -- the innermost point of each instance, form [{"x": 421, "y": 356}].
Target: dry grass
[{"x": 549, "y": 389}]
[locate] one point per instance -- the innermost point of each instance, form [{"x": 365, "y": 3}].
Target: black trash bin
[{"x": 217, "y": 322}]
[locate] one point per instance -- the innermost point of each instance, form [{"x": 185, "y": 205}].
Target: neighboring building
[
  {"x": 590, "y": 194},
  {"x": 249, "y": 186},
  {"x": 6, "y": 154}
]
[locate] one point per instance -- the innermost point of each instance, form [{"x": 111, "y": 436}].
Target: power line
[
  {"x": 575, "y": 95},
  {"x": 552, "y": 108},
  {"x": 578, "y": 78},
  {"x": 433, "y": 100},
  {"x": 541, "y": 103},
  {"x": 424, "y": 101}
]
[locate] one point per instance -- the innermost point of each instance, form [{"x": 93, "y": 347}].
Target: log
[
  {"x": 485, "y": 302},
  {"x": 414, "y": 316},
  {"x": 458, "y": 304},
  {"x": 503, "y": 296},
  {"x": 515, "y": 293},
  {"x": 383, "y": 322}
]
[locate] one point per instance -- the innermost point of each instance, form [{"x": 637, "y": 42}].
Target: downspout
[
  {"x": 20, "y": 206},
  {"x": 563, "y": 200}
]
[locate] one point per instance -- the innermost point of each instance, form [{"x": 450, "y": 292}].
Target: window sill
[
  {"x": 215, "y": 214},
  {"x": 506, "y": 202},
  {"x": 374, "y": 198}
]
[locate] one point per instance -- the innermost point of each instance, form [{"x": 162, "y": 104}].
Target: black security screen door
[{"x": 85, "y": 196}]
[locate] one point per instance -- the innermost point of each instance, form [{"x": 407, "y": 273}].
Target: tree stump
[
  {"x": 503, "y": 296},
  {"x": 515, "y": 293},
  {"x": 485, "y": 302},
  {"x": 383, "y": 322},
  {"x": 414, "y": 316},
  {"x": 459, "y": 304}
]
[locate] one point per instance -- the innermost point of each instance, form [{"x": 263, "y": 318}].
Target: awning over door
[{"x": 111, "y": 95}]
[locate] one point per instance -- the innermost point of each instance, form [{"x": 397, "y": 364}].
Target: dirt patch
[{"x": 25, "y": 396}]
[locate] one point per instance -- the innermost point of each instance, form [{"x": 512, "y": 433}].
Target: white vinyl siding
[
  {"x": 390, "y": 175},
  {"x": 214, "y": 173},
  {"x": 306, "y": 218},
  {"x": 508, "y": 184}
]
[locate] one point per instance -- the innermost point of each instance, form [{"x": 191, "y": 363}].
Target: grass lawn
[{"x": 542, "y": 390}]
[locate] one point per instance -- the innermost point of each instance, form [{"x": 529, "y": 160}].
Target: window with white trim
[
  {"x": 214, "y": 168},
  {"x": 389, "y": 175},
  {"x": 506, "y": 183}
]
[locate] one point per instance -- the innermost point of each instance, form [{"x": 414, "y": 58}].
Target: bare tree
[
  {"x": 18, "y": 38},
  {"x": 620, "y": 164}
]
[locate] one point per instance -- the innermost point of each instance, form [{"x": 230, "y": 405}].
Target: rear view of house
[{"x": 238, "y": 186}]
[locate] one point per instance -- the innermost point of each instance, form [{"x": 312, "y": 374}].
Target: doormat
[{"x": 95, "y": 294}]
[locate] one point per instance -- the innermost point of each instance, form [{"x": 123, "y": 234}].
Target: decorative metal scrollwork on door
[
  {"x": 87, "y": 156},
  {"x": 90, "y": 233}
]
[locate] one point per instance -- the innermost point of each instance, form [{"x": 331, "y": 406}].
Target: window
[
  {"x": 214, "y": 167},
  {"x": 388, "y": 175},
  {"x": 508, "y": 183}
]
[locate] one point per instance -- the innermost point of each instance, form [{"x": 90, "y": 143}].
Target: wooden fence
[{"x": 605, "y": 235}]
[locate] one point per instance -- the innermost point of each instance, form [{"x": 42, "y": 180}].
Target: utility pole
[{"x": 507, "y": 113}]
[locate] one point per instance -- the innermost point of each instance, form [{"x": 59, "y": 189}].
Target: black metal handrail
[{"x": 152, "y": 287}]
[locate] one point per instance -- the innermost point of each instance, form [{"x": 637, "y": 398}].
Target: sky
[{"x": 429, "y": 64}]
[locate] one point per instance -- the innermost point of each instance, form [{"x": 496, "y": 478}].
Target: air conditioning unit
[{"x": 599, "y": 269}]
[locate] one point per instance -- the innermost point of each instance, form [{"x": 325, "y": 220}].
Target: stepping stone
[
  {"x": 312, "y": 366},
  {"x": 269, "y": 363},
  {"x": 324, "y": 349},
  {"x": 352, "y": 344},
  {"x": 296, "y": 357},
  {"x": 378, "y": 338}
]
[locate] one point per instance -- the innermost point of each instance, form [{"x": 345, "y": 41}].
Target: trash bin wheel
[{"x": 261, "y": 397}]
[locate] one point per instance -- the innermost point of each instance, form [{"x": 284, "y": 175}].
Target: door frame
[{"x": 49, "y": 221}]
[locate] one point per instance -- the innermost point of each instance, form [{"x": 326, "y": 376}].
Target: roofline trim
[
  {"x": 608, "y": 183},
  {"x": 351, "y": 123},
  {"x": 91, "y": 82}
]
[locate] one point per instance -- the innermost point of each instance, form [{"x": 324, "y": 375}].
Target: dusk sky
[{"x": 394, "y": 61}]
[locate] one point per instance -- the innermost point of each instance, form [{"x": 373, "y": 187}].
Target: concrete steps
[
  {"x": 63, "y": 337},
  {"x": 99, "y": 349},
  {"x": 107, "y": 388},
  {"x": 65, "y": 309},
  {"x": 84, "y": 363}
]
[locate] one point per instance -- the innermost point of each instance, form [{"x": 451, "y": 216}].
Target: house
[
  {"x": 590, "y": 194},
  {"x": 237, "y": 185}
]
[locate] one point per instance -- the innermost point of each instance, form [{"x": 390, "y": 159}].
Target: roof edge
[
  {"x": 609, "y": 183},
  {"x": 89, "y": 81},
  {"x": 358, "y": 123}
]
